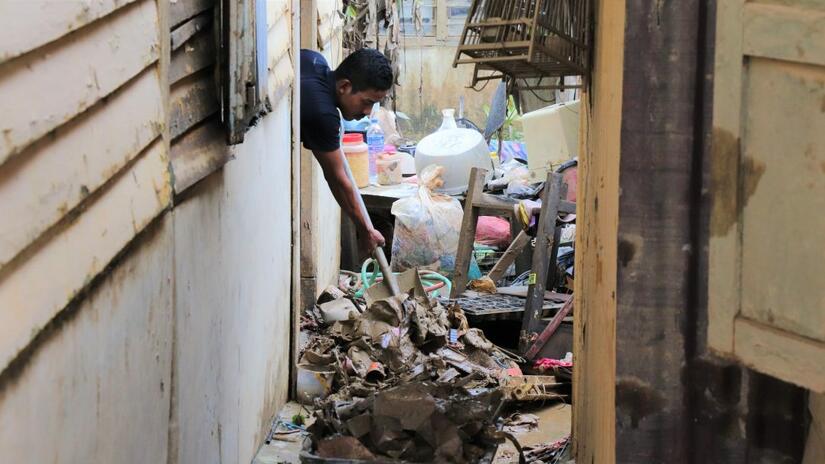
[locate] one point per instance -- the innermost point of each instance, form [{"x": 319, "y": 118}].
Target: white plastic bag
[{"x": 427, "y": 227}]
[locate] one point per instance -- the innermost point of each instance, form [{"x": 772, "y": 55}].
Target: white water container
[
  {"x": 552, "y": 135},
  {"x": 458, "y": 151}
]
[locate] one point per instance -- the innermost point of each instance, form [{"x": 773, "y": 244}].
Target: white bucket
[{"x": 313, "y": 382}]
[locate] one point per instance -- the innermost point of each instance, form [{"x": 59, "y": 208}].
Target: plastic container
[
  {"x": 458, "y": 151},
  {"x": 375, "y": 141},
  {"x": 448, "y": 119},
  {"x": 389, "y": 169},
  {"x": 551, "y": 134},
  {"x": 357, "y": 154},
  {"x": 313, "y": 382}
]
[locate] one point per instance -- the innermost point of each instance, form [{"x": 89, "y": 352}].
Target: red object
[
  {"x": 548, "y": 363},
  {"x": 353, "y": 138},
  {"x": 549, "y": 330},
  {"x": 493, "y": 231}
]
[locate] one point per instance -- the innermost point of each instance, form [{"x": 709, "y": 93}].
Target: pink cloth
[{"x": 493, "y": 231}]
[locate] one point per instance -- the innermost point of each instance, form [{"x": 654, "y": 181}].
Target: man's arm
[{"x": 332, "y": 163}]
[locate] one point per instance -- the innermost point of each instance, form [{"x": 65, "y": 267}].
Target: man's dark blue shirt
[{"x": 320, "y": 122}]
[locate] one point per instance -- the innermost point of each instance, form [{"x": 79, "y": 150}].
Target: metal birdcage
[{"x": 526, "y": 38}]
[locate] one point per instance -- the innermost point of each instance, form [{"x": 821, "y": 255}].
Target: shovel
[{"x": 378, "y": 252}]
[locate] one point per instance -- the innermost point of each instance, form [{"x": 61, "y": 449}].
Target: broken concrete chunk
[
  {"x": 343, "y": 447},
  {"x": 359, "y": 426}
]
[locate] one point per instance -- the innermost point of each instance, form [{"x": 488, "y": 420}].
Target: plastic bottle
[
  {"x": 358, "y": 158},
  {"x": 375, "y": 140},
  {"x": 448, "y": 119}
]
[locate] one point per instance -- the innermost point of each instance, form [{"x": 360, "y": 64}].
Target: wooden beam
[
  {"x": 781, "y": 354},
  {"x": 594, "y": 330},
  {"x": 495, "y": 45},
  {"x": 541, "y": 257},
  {"x": 198, "y": 153},
  {"x": 187, "y": 30},
  {"x": 518, "y": 244},
  {"x": 463, "y": 255}
]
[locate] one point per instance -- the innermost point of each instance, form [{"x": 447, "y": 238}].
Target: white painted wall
[
  {"x": 95, "y": 387},
  {"x": 232, "y": 299}
]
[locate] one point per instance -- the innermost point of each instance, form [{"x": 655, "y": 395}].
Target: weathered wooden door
[{"x": 767, "y": 245}]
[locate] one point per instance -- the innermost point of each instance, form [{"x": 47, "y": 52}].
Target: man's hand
[{"x": 370, "y": 240}]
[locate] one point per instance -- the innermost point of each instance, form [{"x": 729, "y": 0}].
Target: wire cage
[{"x": 526, "y": 38}]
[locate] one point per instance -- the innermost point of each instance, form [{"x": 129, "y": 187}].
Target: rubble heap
[{"x": 411, "y": 381}]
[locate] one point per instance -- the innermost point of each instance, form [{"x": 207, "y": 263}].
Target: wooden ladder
[{"x": 547, "y": 238}]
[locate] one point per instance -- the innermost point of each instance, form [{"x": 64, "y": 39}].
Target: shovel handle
[
  {"x": 389, "y": 277},
  {"x": 378, "y": 253}
]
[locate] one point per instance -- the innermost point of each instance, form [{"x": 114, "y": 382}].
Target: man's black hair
[{"x": 366, "y": 69}]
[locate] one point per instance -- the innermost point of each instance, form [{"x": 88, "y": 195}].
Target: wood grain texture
[
  {"x": 59, "y": 173},
  {"x": 45, "y": 90},
  {"x": 190, "y": 28},
  {"x": 790, "y": 33},
  {"x": 192, "y": 101},
  {"x": 182, "y": 10},
  {"x": 783, "y": 178},
  {"x": 509, "y": 257},
  {"x": 30, "y": 297},
  {"x": 198, "y": 153},
  {"x": 196, "y": 54},
  {"x": 594, "y": 339},
  {"x": 467, "y": 233},
  {"x": 545, "y": 234},
  {"x": 28, "y": 24},
  {"x": 781, "y": 354},
  {"x": 723, "y": 262}
]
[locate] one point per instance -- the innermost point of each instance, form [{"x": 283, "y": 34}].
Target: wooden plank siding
[
  {"x": 192, "y": 100},
  {"x": 47, "y": 89},
  {"x": 181, "y": 10},
  {"x": 30, "y": 297},
  {"x": 198, "y": 152},
  {"x": 56, "y": 174},
  {"x": 192, "y": 56},
  {"x": 83, "y": 163},
  {"x": 52, "y": 19}
]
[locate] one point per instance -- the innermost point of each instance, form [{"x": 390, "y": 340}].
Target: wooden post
[
  {"x": 541, "y": 261},
  {"x": 467, "y": 234}
]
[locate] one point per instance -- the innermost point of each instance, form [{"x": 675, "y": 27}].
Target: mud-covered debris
[{"x": 521, "y": 423}]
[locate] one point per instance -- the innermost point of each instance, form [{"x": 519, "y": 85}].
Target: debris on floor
[
  {"x": 521, "y": 422},
  {"x": 407, "y": 379}
]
